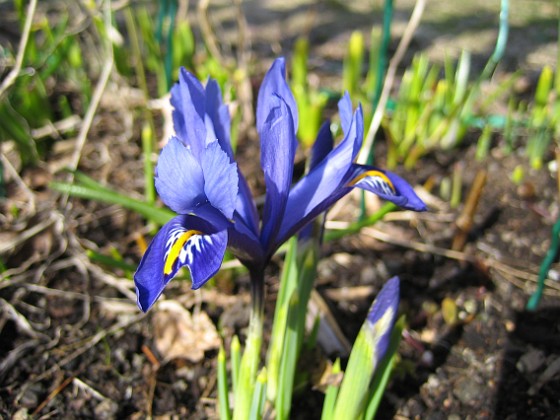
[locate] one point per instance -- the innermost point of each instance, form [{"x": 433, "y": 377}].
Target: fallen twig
[
  {"x": 53, "y": 394},
  {"x": 465, "y": 220}
]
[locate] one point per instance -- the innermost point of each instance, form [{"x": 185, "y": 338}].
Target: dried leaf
[{"x": 180, "y": 334}]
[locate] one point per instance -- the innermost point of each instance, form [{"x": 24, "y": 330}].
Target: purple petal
[
  {"x": 220, "y": 179},
  {"x": 345, "y": 112},
  {"x": 219, "y": 115},
  {"x": 386, "y": 185},
  {"x": 185, "y": 240},
  {"x": 382, "y": 315},
  {"x": 188, "y": 99},
  {"x": 179, "y": 178},
  {"x": 317, "y": 191},
  {"x": 322, "y": 146},
  {"x": 278, "y": 148},
  {"x": 245, "y": 205},
  {"x": 245, "y": 244},
  {"x": 274, "y": 84}
]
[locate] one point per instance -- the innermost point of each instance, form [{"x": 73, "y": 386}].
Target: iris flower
[{"x": 198, "y": 178}]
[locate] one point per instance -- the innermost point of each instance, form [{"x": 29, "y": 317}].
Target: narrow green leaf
[
  {"x": 299, "y": 62},
  {"x": 147, "y": 150},
  {"x": 109, "y": 261},
  {"x": 369, "y": 348},
  {"x": 259, "y": 396},
  {"x": 248, "y": 370},
  {"x": 352, "y": 67},
  {"x": 289, "y": 360},
  {"x": 288, "y": 281},
  {"x": 331, "y": 394},
  {"x": 223, "y": 391},
  {"x": 483, "y": 145},
  {"x": 544, "y": 87},
  {"x": 235, "y": 350},
  {"x": 149, "y": 211}
]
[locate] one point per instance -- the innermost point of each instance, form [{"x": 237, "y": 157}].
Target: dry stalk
[
  {"x": 14, "y": 73},
  {"x": 465, "y": 220}
]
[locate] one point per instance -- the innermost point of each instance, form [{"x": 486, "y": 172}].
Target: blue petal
[
  {"x": 345, "y": 112},
  {"x": 382, "y": 315},
  {"x": 185, "y": 240},
  {"x": 245, "y": 205},
  {"x": 322, "y": 146},
  {"x": 278, "y": 148},
  {"x": 274, "y": 84},
  {"x": 317, "y": 191},
  {"x": 220, "y": 179},
  {"x": 245, "y": 244},
  {"x": 188, "y": 99},
  {"x": 386, "y": 185},
  {"x": 179, "y": 178},
  {"x": 219, "y": 115}
]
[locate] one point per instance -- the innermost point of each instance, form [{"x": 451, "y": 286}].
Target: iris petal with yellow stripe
[
  {"x": 375, "y": 180},
  {"x": 386, "y": 185},
  {"x": 184, "y": 241}
]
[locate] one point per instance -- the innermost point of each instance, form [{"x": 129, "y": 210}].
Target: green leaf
[
  {"x": 331, "y": 394},
  {"x": 288, "y": 282},
  {"x": 223, "y": 398},
  {"x": 259, "y": 396},
  {"x": 106, "y": 195},
  {"x": 289, "y": 360},
  {"x": 235, "y": 350}
]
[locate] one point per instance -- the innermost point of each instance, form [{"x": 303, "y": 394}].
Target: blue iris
[{"x": 198, "y": 178}]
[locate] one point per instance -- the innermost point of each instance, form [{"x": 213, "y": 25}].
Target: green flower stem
[{"x": 251, "y": 356}]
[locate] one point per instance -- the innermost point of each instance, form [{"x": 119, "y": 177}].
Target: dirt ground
[{"x": 74, "y": 345}]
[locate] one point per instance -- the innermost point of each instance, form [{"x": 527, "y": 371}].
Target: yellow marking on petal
[
  {"x": 373, "y": 173},
  {"x": 176, "y": 250}
]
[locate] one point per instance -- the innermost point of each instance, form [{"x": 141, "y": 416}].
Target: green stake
[{"x": 545, "y": 266}]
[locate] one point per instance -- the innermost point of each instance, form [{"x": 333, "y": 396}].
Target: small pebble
[
  {"x": 531, "y": 361},
  {"x": 526, "y": 191},
  {"x": 427, "y": 358},
  {"x": 467, "y": 390},
  {"x": 106, "y": 409}
]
